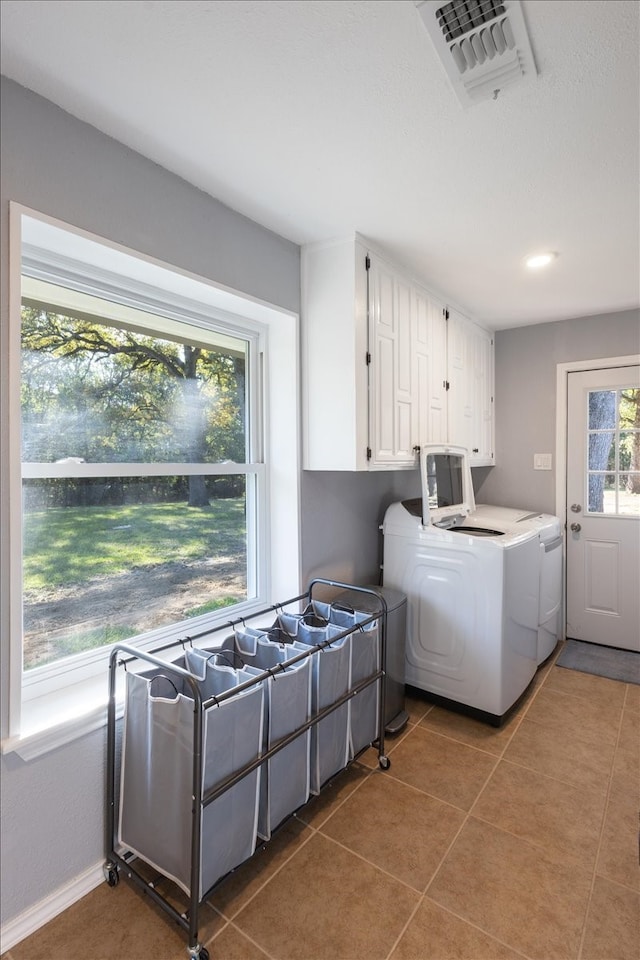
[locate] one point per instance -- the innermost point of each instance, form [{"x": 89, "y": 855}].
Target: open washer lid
[{"x": 447, "y": 490}]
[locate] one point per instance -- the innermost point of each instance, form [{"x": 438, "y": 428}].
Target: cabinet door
[
  {"x": 461, "y": 382},
  {"x": 390, "y": 387},
  {"x": 430, "y": 369},
  {"x": 470, "y": 364},
  {"x": 334, "y": 345},
  {"x": 484, "y": 455}
]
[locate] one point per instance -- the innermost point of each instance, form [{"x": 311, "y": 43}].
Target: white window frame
[{"x": 53, "y": 704}]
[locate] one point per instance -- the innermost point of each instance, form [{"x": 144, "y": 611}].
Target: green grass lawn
[{"x": 72, "y": 545}]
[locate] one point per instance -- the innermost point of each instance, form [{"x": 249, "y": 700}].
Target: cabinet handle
[
  {"x": 475, "y": 450},
  {"x": 416, "y": 449}
]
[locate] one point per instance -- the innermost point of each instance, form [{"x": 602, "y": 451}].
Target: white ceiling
[{"x": 318, "y": 118}]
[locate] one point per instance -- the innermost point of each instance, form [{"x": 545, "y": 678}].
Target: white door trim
[{"x": 562, "y": 389}]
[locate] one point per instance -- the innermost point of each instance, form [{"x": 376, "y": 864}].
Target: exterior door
[{"x": 603, "y": 506}]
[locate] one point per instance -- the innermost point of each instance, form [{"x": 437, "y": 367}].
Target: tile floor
[{"x": 477, "y": 844}]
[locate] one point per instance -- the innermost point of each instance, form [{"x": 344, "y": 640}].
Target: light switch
[{"x": 542, "y": 461}]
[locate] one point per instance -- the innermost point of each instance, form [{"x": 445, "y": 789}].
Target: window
[
  {"x": 109, "y": 556},
  {"x": 147, "y": 506}
]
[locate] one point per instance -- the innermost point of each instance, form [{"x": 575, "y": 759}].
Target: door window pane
[
  {"x": 602, "y": 409},
  {"x": 601, "y": 486},
  {"x": 628, "y": 450},
  {"x": 602, "y": 450},
  {"x": 629, "y": 494}
]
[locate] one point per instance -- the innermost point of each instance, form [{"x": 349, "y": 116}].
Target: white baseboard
[{"x": 40, "y": 913}]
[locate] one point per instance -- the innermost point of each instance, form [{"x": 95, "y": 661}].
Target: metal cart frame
[{"x": 123, "y": 654}]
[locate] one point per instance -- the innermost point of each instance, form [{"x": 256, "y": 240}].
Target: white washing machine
[
  {"x": 472, "y": 592},
  {"x": 550, "y": 541}
]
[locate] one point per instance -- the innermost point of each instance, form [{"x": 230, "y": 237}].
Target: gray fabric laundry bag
[
  {"x": 156, "y": 786},
  {"x": 365, "y": 661},
  {"x": 285, "y": 776},
  {"x": 331, "y": 669}
]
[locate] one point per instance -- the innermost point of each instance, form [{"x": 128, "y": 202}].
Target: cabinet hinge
[
  {"x": 368, "y": 358},
  {"x": 367, "y": 262},
  {"x": 446, "y": 384},
  {"x": 368, "y": 453}
]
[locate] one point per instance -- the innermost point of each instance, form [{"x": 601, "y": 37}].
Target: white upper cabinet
[{"x": 374, "y": 348}]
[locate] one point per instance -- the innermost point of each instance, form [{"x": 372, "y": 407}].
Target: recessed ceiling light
[{"x": 539, "y": 260}]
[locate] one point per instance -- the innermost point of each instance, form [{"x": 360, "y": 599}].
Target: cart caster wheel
[
  {"x": 202, "y": 954},
  {"x": 384, "y": 762},
  {"x": 111, "y": 875}
]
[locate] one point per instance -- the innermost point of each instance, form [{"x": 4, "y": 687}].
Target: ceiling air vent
[{"x": 483, "y": 45}]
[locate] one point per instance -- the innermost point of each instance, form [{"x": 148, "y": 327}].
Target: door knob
[
  {"x": 576, "y": 508},
  {"x": 576, "y": 527}
]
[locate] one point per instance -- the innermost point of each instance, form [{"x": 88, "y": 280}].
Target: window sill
[{"x": 53, "y": 721}]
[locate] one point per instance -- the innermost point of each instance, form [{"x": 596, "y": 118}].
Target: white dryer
[
  {"x": 550, "y": 542},
  {"x": 472, "y": 592}
]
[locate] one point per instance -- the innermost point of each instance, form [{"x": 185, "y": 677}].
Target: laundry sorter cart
[{"x": 224, "y": 742}]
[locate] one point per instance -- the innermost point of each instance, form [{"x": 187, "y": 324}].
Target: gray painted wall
[
  {"x": 341, "y": 514},
  {"x": 525, "y": 398}
]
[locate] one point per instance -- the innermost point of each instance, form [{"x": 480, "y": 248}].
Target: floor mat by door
[{"x": 602, "y": 661}]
